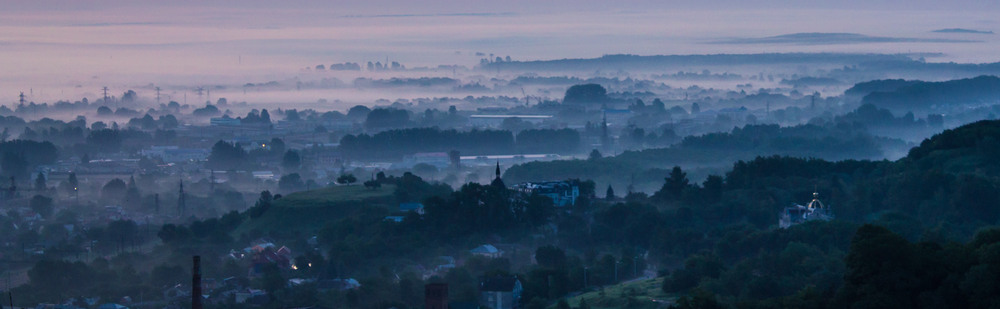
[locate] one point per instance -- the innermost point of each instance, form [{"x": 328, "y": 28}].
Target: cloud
[
  {"x": 821, "y": 38},
  {"x": 961, "y": 30}
]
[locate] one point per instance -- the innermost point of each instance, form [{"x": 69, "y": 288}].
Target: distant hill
[
  {"x": 714, "y": 150},
  {"x": 962, "y": 30},
  {"x": 924, "y": 95},
  {"x": 882, "y": 85},
  {"x": 822, "y": 38},
  {"x": 673, "y": 62}
]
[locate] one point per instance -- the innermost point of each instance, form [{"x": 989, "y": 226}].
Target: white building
[{"x": 797, "y": 214}]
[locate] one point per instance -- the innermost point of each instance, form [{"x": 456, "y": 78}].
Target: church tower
[{"x": 497, "y": 182}]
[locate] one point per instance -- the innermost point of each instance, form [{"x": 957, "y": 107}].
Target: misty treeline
[
  {"x": 400, "y": 142},
  {"x": 903, "y": 96},
  {"x": 839, "y": 141}
]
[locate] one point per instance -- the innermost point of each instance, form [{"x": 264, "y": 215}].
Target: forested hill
[
  {"x": 643, "y": 169},
  {"x": 924, "y": 95}
]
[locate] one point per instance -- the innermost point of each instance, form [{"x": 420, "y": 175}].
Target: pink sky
[{"x": 57, "y": 45}]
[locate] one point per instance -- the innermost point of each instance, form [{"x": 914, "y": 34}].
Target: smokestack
[{"x": 196, "y": 284}]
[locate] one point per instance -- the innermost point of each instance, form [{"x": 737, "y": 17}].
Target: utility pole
[{"x": 105, "y": 94}]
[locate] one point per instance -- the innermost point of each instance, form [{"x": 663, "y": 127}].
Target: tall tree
[
  {"x": 74, "y": 184},
  {"x": 674, "y": 185},
  {"x": 181, "y": 199},
  {"x": 40, "y": 185},
  {"x": 291, "y": 160},
  {"x": 227, "y": 156}
]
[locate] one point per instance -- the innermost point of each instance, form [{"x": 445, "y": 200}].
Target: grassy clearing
[
  {"x": 334, "y": 195},
  {"x": 636, "y": 294},
  {"x": 306, "y": 212}
]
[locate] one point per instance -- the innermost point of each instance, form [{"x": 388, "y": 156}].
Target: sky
[{"x": 68, "y": 48}]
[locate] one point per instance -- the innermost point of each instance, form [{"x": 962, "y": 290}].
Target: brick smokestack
[{"x": 196, "y": 284}]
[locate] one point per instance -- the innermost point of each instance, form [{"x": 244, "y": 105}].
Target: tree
[
  {"x": 74, "y": 184},
  {"x": 14, "y": 165},
  {"x": 291, "y": 182},
  {"x": 347, "y": 179},
  {"x": 277, "y": 146},
  {"x": 106, "y": 141},
  {"x": 40, "y": 185},
  {"x": 550, "y": 257},
  {"x": 262, "y": 205},
  {"x": 585, "y": 94},
  {"x": 265, "y": 117},
  {"x": 227, "y": 156},
  {"x": 382, "y": 118},
  {"x": 881, "y": 270},
  {"x": 114, "y": 190},
  {"x": 373, "y": 184},
  {"x": 292, "y": 115},
  {"x": 674, "y": 185},
  {"x": 610, "y": 194},
  {"x": 712, "y": 188},
  {"x": 291, "y": 160},
  {"x": 539, "y": 209},
  {"x": 358, "y": 112},
  {"x": 594, "y": 155},
  {"x": 42, "y": 205}
]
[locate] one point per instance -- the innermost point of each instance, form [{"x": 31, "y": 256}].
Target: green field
[
  {"x": 336, "y": 194},
  {"x": 636, "y": 294},
  {"x": 309, "y": 211}
]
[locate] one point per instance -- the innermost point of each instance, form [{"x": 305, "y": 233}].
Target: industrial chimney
[{"x": 196, "y": 284}]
